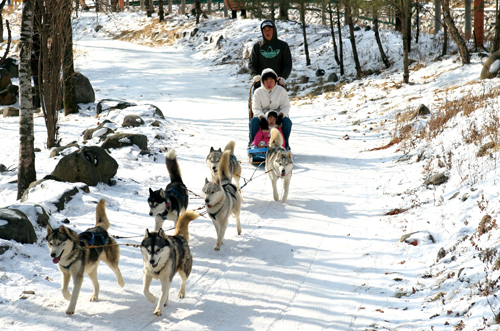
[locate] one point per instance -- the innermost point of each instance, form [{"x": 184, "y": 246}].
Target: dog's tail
[
  {"x": 101, "y": 219},
  {"x": 230, "y": 146},
  {"x": 224, "y": 173},
  {"x": 181, "y": 228},
  {"x": 276, "y": 139},
  {"x": 173, "y": 167}
]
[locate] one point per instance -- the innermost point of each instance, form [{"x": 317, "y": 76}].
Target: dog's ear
[
  {"x": 161, "y": 233},
  {"x": 220, "y": 150},
  {"x": 49, "y": 229},
  {"x": 206, "y": 180},
  {"x": 150, "y": 191},
  {"x": 146, "y": 235},
  {"x": 162, "y": 193},
  {"x": 289, "y": 155},
  {"x": 64, "y": 230},
  {"x": 211, "y": 149}
]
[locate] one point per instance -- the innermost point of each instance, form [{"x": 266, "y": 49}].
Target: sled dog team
[{"x": 163, "y": 255}]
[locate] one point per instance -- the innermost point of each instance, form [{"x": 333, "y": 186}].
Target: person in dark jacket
[
  {"x": 270, "y": 52},
  {"x": 275, "y": 54}
]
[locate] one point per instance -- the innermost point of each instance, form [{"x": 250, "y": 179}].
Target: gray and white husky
[
  {"x": 213, "y": 160},
  {"x": 279, "y": 164},
  {"x": 168, "y": 204},
  {"x": 221, "y": 199},
  {"x": 164, "y": 256},
  {"x": 75, "y": 255}
]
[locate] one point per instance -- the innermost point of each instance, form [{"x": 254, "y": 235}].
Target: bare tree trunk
[
  {"x": 149, "y": 8},
  {"x": 437, "y": 16},
  {"x": 283, "y": 11},
  {"x": 2, "y": 5},
  {"x": 353, "y": 40},
  {"x": 496, "y": 41},
  {"x": 341, "y": 52},
  {"x": 408, "y": 25},
  {"x": 406, "y": 62},
  {"x": 468, "y": 23},
  {"x": 197, "y": 4},
  {"x": 26, "y": 172},
  {"x": 379, "y": 42},
  {"x": 303, "y": 20},
  {"x": 69, "y": 91},
  {"x": 418, "y": 21},
  {"x": 333, "y": 34},
  {"x": 445, "y": 40},
  {"x": 455, "y": 35},
  {"x": 161, "y": 11},
  {"x": 36, "y": 63}
]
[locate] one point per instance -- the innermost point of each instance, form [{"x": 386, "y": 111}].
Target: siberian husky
[
  {"x": 213, "y": 160},
  {"x": 221, "y": 199},
  {"x": 74, "y": 255},
  {"x": 163, "y": 256},
  {"x": 279, "y": 164},
  {"x": 168, "y": 204}
]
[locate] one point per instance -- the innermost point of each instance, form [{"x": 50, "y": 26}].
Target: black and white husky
[
  {"x": 170, "y": 203},
  {"x": 213, "y": 160},
  {"x": 164, "y": 256},
  {"x": 222, "y": 198},
  {"x": 279, "y": 164},
  {"x": 75, "y": 258}
]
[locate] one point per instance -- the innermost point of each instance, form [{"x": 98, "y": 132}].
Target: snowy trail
[{"x": 311, "y": 247}]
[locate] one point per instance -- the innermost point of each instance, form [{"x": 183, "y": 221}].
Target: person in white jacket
[{"x": 270, "y": 96}]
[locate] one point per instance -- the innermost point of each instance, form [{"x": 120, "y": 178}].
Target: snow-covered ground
[{"x": 330, "y": 257}]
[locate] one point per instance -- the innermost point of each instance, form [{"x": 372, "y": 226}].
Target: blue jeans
[{"x": 286, "y": 127}]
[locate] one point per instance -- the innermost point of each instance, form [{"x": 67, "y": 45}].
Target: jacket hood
[
  {"x": 275, "y": 31},
  {"x": 269, "y": 72}
]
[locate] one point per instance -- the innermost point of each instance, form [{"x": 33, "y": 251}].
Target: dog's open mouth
[
  {"x": 208, "y": 205},
  {"x": 56, "y": 259},
  {"x": 283, "y": 174}
]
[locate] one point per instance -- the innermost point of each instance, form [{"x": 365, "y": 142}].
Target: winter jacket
[
  {"x": 275, "y": 99},
  {"x": 265, "y": 136},
  {"x": 274, "y": 54}
]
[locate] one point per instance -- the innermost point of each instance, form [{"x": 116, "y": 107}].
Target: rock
[
  {"x": 7, "y": 97},
  {"x": 120, "y": 140},
  {"x": 320, "y": 73},
  {"x": 12, "y": 65},
  {"x": 437, "y": 179},
  {"x": 157, "y": 112},
  {"x": 83, "y": 89},
  {"x": 90, "y": 165},
  {"x": 57, "y": 150},
  {"x": 491, "y": 66},
  {"x": 454, "y": 195},
  {"x": 112, "y": 104},
  {"x": 155, "y": 123},
  {"x": 304, "y": 80},
  {"x": 15, "y": 225},
  {"x": 132, "y": 121},
  {"x": 35, "y": 212},
  {"x": 421, "y": 111},
  {"x": 333, "y": 78},
  {"x": 10, "y": 111},
  {"x": 484, "y": 149},
  {"x": 4, "y": 78},
  {"x": 441, "y": 254},
  {"x": 102, "y": 130}
]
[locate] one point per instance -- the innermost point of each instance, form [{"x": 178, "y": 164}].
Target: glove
[
  {"x": 279, "y": 119},
  {"x": 262, "y": 144},
  {"x": 256, "y": 78},
  {"x": 281, "y": 81},
  {"x": 263, "y": 124}
]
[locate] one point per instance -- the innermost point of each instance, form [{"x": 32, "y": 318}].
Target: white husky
[{"x": 279, "y": 164}]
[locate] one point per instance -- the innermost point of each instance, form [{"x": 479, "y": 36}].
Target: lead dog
[
  {"x": 163, "y": 256},
  {"x": 213, "y": 159},
  {"x": 168, "y": 204},
  {"x": 279, "y": 164},
  {"x": 74, "y": 258},
  {"x": 221, "y": 199}
]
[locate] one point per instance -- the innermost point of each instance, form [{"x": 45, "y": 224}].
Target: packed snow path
[{"x": 313, "y": 263}]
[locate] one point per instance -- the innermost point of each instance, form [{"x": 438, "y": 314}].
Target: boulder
[
  {"x": 120, "y": 140},
  {"x": 112, "y": 104},
  {"x": 15, "y": 225},
  {"x": 333, "y": 77},
  {"x": 83, "y": 89},
  {"x": 35, "y": 212},
  {"x": 437, "y": 179},
  {"x": 491, "y": 66},
  {"x": 421, "y": 111},
  {"x": 12, "y": 65},
  {"x": 58, "y": 150},
  {"x": 7, "y": 97},
  {"x": 4, "y": 78},
  {"x": 10, "y": 111},
  {"x": 157, "y": 112},
  {"x": 90, "y": 165},
  {"x": 102, "y": 130},
  {"x": 320, "y": 73},
  {"x": 132, "y": 121}
]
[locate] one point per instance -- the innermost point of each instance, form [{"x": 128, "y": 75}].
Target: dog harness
[
  {"x": 232, "y": 193},
  {"x": 90, "y": 243},
  {"x": 178, "y": 195}
]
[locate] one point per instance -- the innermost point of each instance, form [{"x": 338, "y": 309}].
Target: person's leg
[
  {"x": 286, "y": 127},
  {"x": 233, "y": 14},
  {"x": 243, "y": 13},
  {"x": 254, "y": 127}
]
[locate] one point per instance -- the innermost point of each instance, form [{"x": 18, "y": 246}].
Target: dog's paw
[
  {"x": 158, "y": 312},
  {"x": 66, "y": 294},
  {"x": 70, "y": 311},
  {"x": 121, "y": 282},
  {"x": 181, "y": 295},
  {"x": 94, "y": 297},
  {"x": 150, "y": 297},
  {"x": 217, "y": 248}
]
